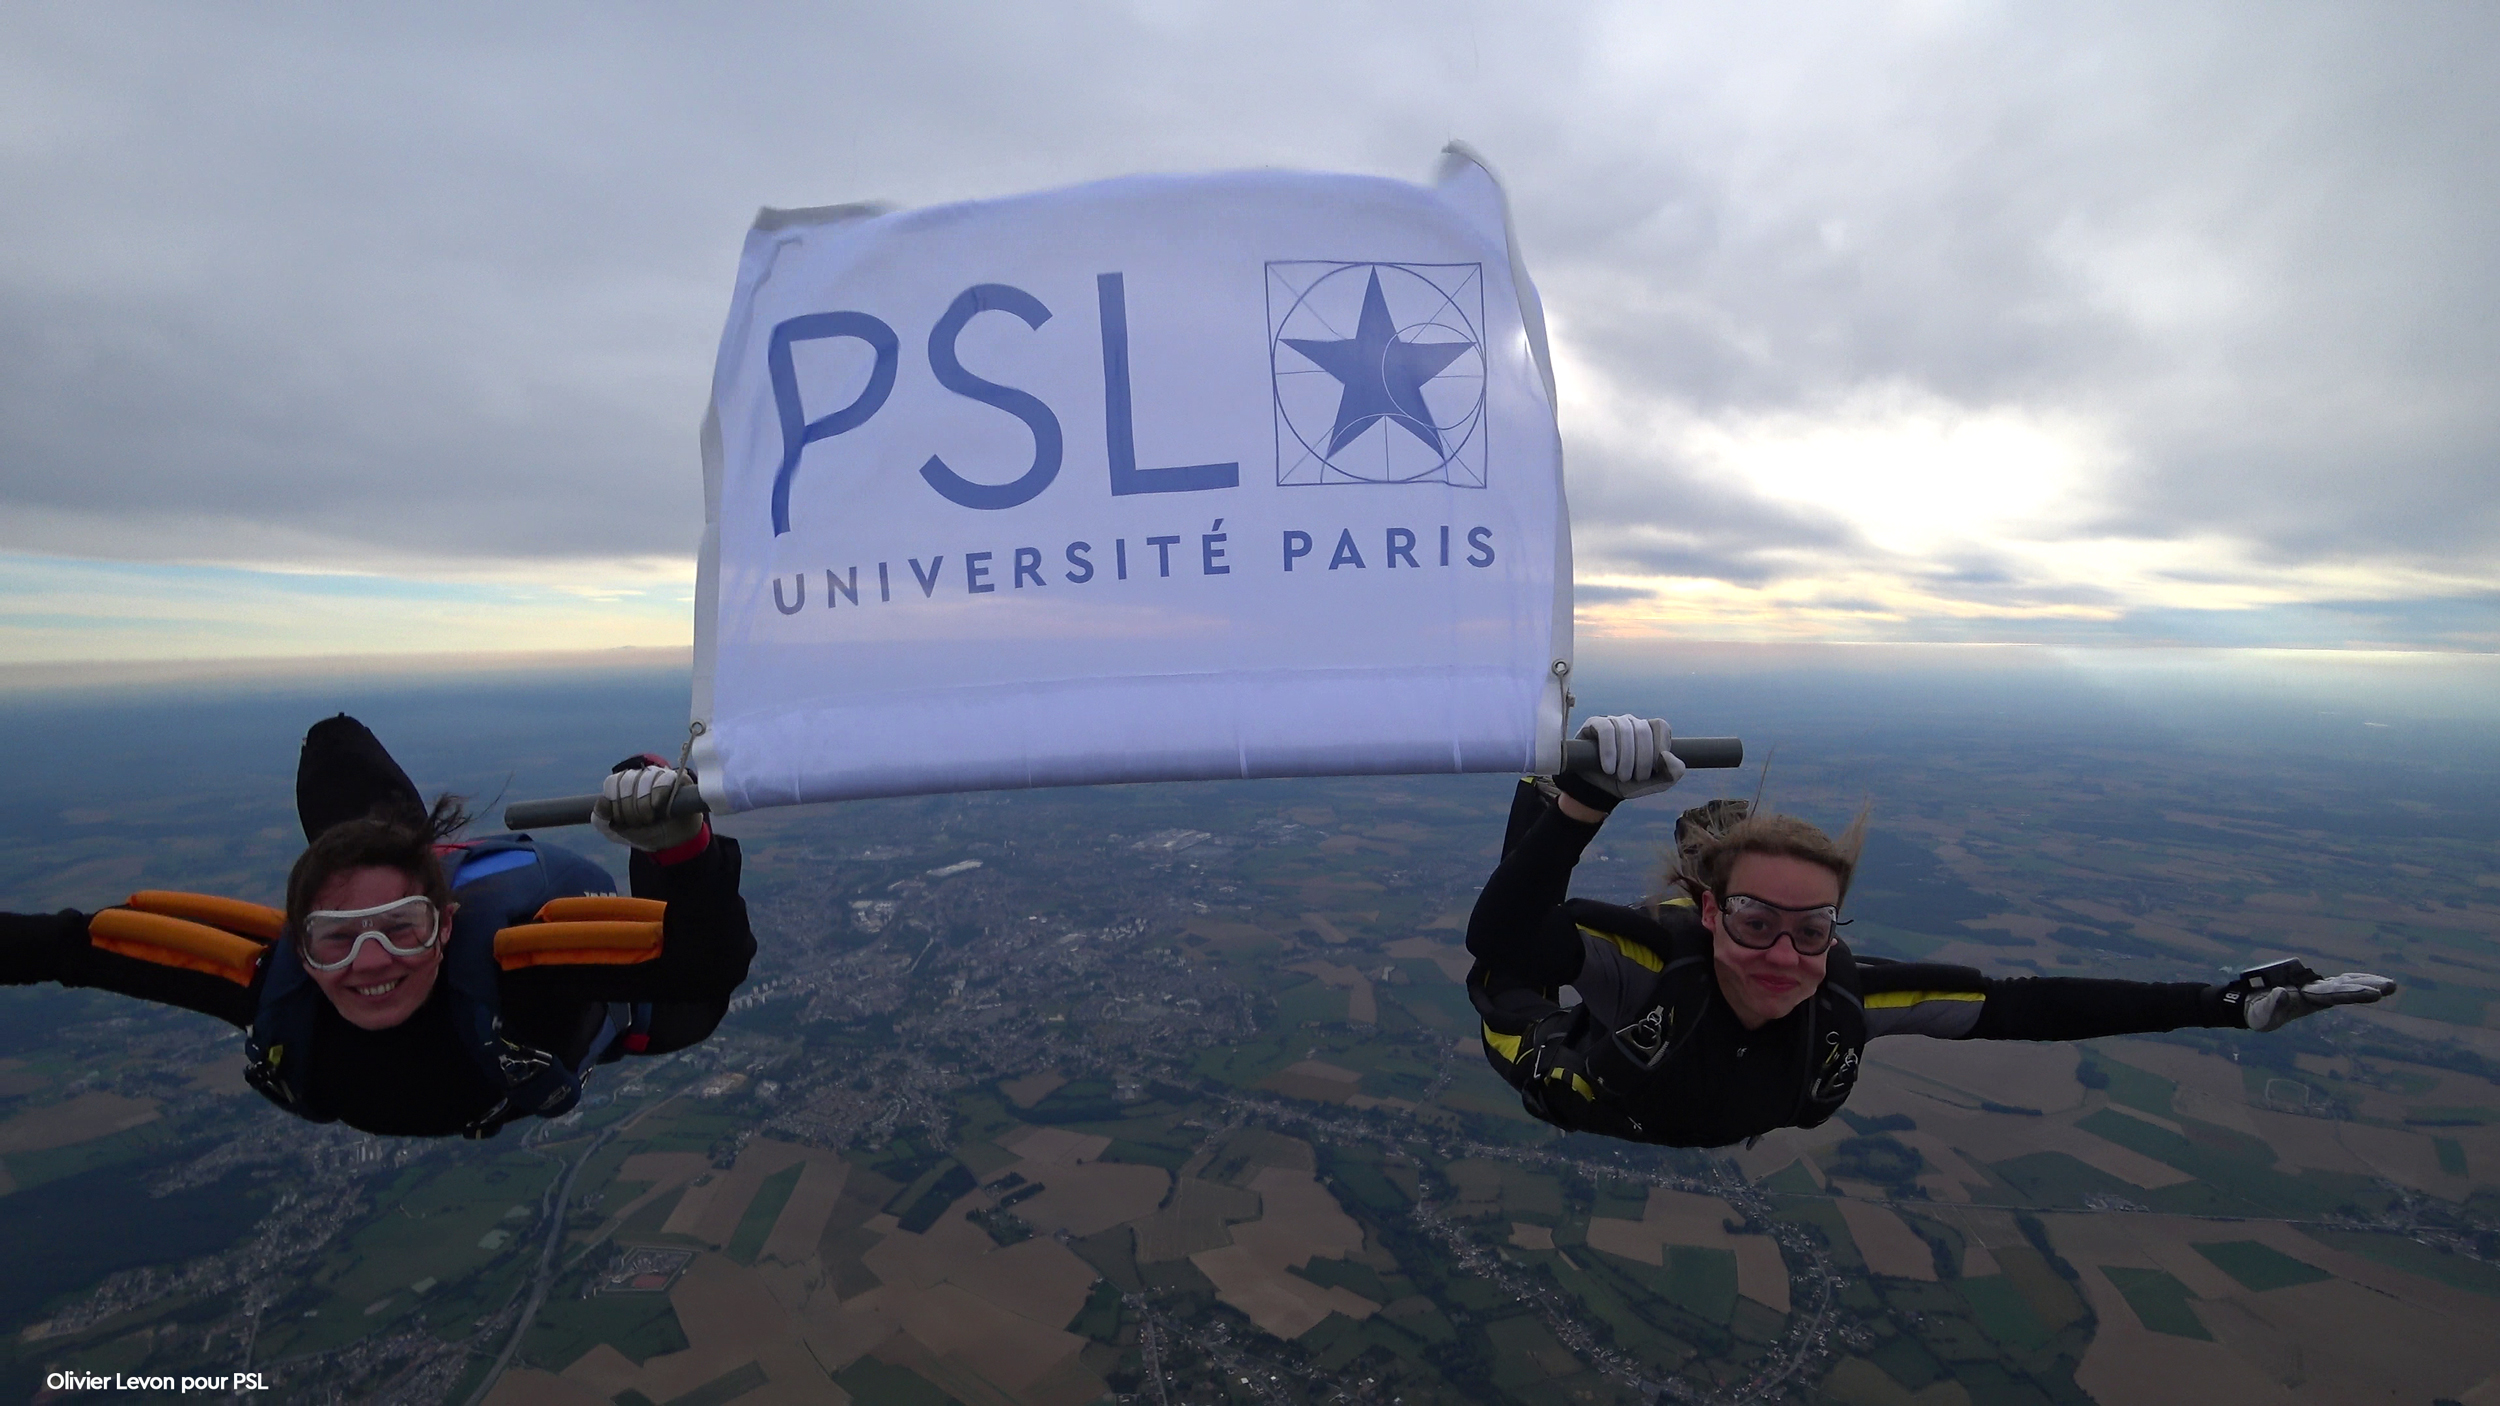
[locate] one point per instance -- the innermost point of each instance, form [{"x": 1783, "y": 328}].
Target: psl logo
[{"x": 1378, "y": 371}]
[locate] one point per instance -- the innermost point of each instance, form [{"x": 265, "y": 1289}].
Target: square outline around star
[{"x": 1361, "y": 369}]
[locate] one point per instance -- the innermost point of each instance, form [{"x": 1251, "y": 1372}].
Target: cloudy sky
[{"x": 360, "y": 328}]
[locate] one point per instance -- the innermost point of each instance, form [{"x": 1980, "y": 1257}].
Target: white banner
[{"x": 1160, "y": 478}]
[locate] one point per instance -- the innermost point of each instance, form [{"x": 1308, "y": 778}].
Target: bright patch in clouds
[
  {"x": 1891, "y": 512},
  {"x": 1910, "y": 473}
]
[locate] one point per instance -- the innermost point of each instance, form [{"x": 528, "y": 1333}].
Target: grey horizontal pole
[
  {"x": 1698, "y": 753},
  {"x": 1579, "y": 754},
  {"x": 575, "y": 810}
]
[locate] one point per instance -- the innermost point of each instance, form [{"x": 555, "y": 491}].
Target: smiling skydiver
[
  {"x": 1734, "y": 1008},
  {"x": 421, "y": 986}
]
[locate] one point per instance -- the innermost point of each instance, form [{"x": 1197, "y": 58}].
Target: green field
[
  {"x": 2451, "y": 1155},
  {"x": 690, "y": 1131},
  {"x": 887, "y": 1385},
  {"x": 2258, "y": 1266},
  {"x": 1626, "y": 1201},
  {"x": 1353, "y": 1277},
  {"x": 2160, "y": 1302},
  {"x": 1311, "y": 1003},
  {"x": 2056, "y": 1180},
  {"x": 1607, "y": 1293},
  {"x": 2234, "y": 1172},
  {"x": 1525, "y": 1354},
  {"x": 641, "y": 1326},
  {"x": 2134, "y": 1087},
  {"x": 2414, "y": 1257},
  {"x": 1359, "y": 1179},
  {"x": 1442, "y": 1004},
  {"x": 1246, "y": 1063},
  {"x": 756, "y": 1226},
  {"x": 2455, "y": 1005},
  {"x": 1946, "y": 1323},
  {"x": 643, "y": 1226},
  {"x": 2450, "y": 1115},
  {"x": 723, "y": 1389},
  {"x": 1907, "y": 1361},
  {"x": 1531, "y": 1196},
  {"x": 2003, "y": 1313},
  {"x": 435, "y": 1223},
  {"x": 2055, "y": 1301},
  {"x": 1702, "y": 1281}
]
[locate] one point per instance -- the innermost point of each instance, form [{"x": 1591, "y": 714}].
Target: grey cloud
[
  {"x": 457, "y": 274},
  {"x": 1667, "y": 517},
  {"x": 291, "y": 275},
  {"x": 2305, "y": 351},
  {"x": 1699, "y": 559}
]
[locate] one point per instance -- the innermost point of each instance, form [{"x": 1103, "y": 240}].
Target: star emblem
[{"x": 1383, "y": 377}]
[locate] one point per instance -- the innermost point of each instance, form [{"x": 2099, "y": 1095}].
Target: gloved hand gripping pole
[
  {"x": 1699, "y": 753},
  {"x": 683, "y": 800}
]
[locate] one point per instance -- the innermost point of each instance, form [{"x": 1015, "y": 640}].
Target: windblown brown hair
[
  {"x": 392, "y": 837},
  {"x": 1707, "y": 853}
]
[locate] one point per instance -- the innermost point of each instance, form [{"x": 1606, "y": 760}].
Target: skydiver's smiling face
[
  {"x": 378, "y": 989},
  {"x": 1763, "y": 986}
]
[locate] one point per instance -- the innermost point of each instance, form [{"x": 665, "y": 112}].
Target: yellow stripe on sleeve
[
  {"x": 1896, "y": 1000},
  {"x": 1639, "y": 954}
]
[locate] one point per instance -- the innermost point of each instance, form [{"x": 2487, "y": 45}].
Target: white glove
[
  {"x": 2278, "y": 1006},
  {"x": 1632, "y": 761},
  {"x": 633, "y": 809}
]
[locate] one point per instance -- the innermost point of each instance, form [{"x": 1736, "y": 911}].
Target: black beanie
[{"x": 345, "y": 775}]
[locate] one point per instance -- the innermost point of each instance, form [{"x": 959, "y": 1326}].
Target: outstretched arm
[
  {"x": 1958, "y": 1003},
  {"x": 54, "y": 947}
]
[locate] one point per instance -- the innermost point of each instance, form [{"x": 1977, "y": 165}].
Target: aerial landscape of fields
[{"x": 1172, "y": 1094}]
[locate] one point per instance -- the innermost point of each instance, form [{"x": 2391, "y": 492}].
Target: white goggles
[{"x": 406, "y": 927}]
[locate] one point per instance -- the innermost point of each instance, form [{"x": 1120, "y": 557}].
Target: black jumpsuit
[{"x": 1732, "y": 1083}]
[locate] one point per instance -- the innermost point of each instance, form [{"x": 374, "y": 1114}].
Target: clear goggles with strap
[
  {"x": 1751, "y": 922},
  {"x": 406, "y": 927}
]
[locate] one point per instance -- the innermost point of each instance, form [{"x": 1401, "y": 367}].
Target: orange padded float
[
  {"x": 577, "y": 943},
  {"x": 176, "y": 942},
  {"x": 253, "y": 920},
  {"x": 602, "y": 908}
]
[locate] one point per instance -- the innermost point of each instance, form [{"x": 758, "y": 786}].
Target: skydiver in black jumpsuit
[{"x": 1734, "y": 1008}]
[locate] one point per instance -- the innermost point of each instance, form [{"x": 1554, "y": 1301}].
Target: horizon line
[
  {"x": 27, "y": 676},
  {"x": 31, "y": 676}
]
